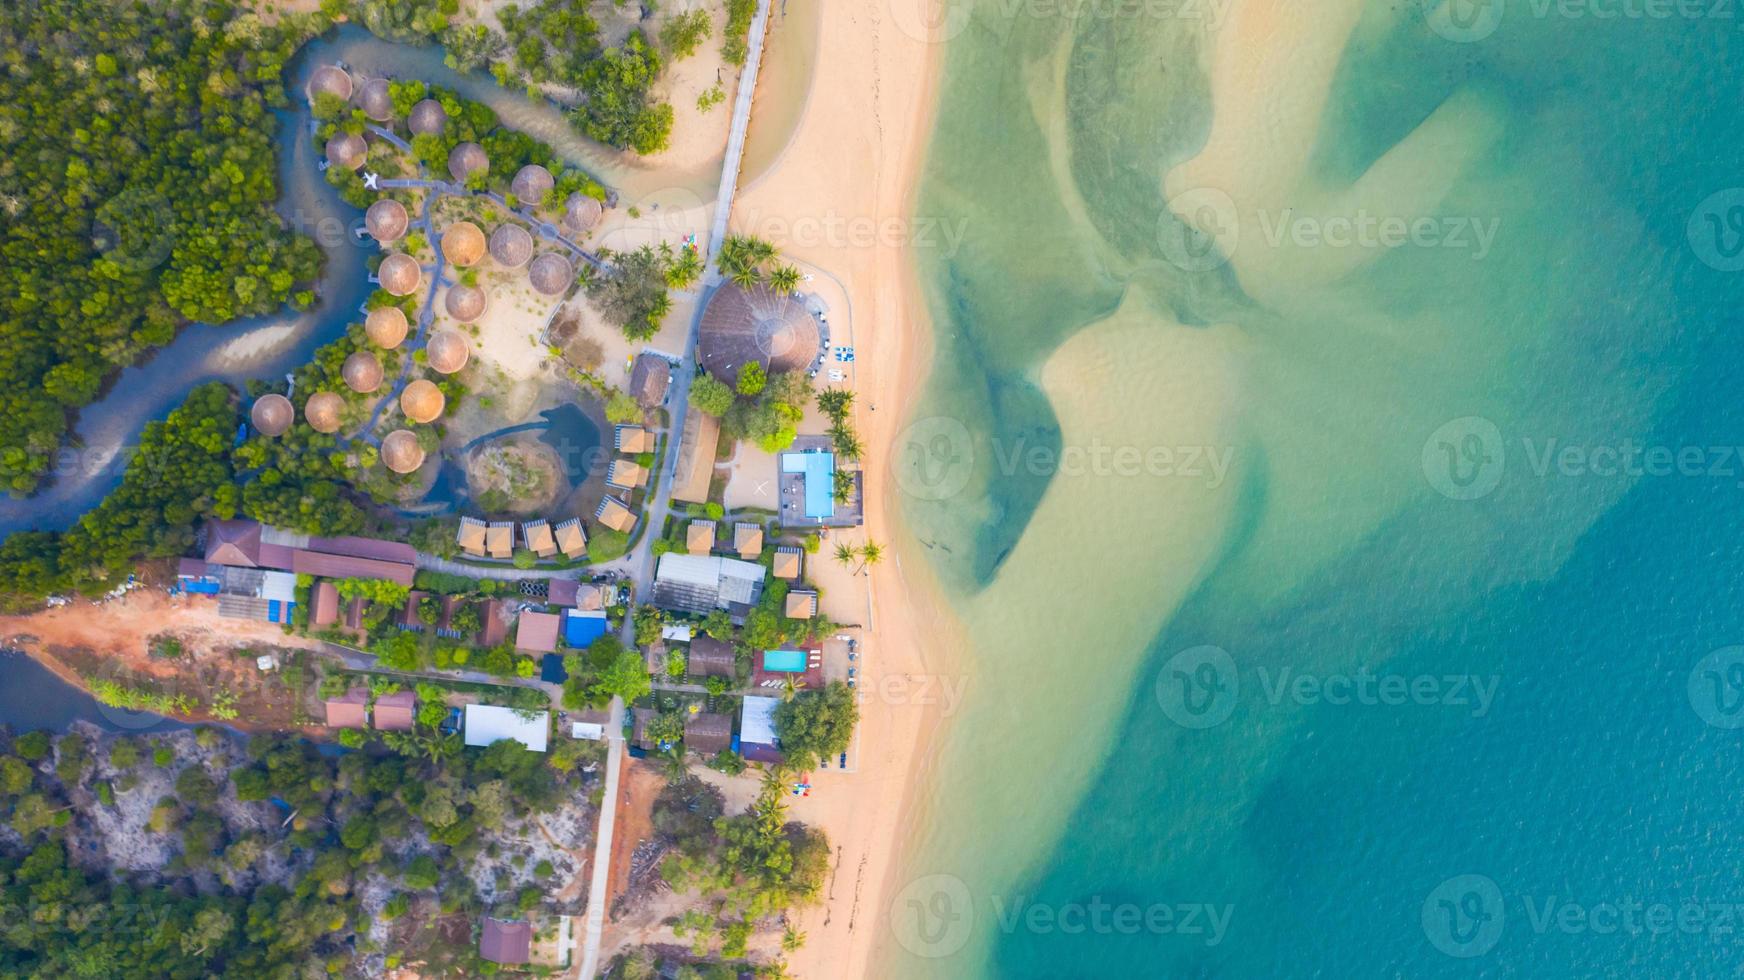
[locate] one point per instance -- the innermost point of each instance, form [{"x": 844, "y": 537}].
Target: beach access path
[{"x": 595, "y": 924}]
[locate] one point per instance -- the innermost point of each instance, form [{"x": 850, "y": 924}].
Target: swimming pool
[
  {"x": 784, "y": 661},
  {"x": 820, "y": 481}
]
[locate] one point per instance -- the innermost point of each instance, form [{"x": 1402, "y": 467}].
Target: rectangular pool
[
  {"x": 819, "y": 469},
  {"x": 784, "y": 661}
]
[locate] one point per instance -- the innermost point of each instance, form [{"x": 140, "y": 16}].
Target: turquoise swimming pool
[{"x": 784, "y": 661}]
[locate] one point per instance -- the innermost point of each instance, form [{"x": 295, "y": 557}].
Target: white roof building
[
  {"x": 699, "y": 583},
  {"x": 487, "y": 724},
  {"x": 757, "y": 721}
]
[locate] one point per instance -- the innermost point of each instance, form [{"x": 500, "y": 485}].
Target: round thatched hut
[
  {"x": 422, "y": 401},
  {"x": 362, "y": 372},
  {"x": 329, "y": 80},
  {"x": 465, "y": 303},
  {"x": 465, "y": 160},
  {"x": 400, "y": 451},
  {"x": 551, "y": 274},
  {"x": 322, "y": 410},
  {"x": 386, "y": 327},
  {"x": 427, "y": 119},
  {"x": 272, "y": 414},
  {"x": 447, "y": 351},
  {"x": 399, "y": 274},
  {"x": 581, "y": 212},
  {"x": 375, "y": 100},
  {"x": 741, "y": 326},
  {"x": 463, "y": 244},
  {"x": 386, "y": 220},
  {"x": 531, "y": 184},
  {"x": 347, "y": 150},
  {"x": 511, "y": 245}
]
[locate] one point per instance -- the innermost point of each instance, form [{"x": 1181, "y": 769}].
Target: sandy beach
[{"x": 852, "y": 164}]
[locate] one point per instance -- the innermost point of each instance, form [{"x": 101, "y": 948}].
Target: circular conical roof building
[
  {"x": 465, "y": 303},
  {"x": 511, "y": 246},
  {"x": 386, "y": 326},
  {"x": 447, "y": 351},
  {"x": 322, "y": 410},
  {"x": 346, "y": 150},
  {"x": 551, "y": 274},
  {"x": 466, "y": 159},
  {"x": 399, "y": 274},
  {"x": 362, "y": 372},
  {"x": 531, "y": 184},
  {"x": 427, "y": 118},
  {"x": 741, "y": 326},
  {"x": 400, "y": 451},
  {"x": 386, "y": 220},
  {"x": 272, "y": 415},
  {"x": 329, "y": 80},
  {"x": 375, "y": 100},
  {"x": 581, "y": 212},
  {"x": 422, "y": 401},
  {"x": 463, "y": 244}
]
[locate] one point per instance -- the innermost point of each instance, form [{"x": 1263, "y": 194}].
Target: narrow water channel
[{"x": 272, "y": 345}]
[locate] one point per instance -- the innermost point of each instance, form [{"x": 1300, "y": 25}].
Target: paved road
[
  {"x": 602, "y": 851},
  {"x": 639, "y": 564}
]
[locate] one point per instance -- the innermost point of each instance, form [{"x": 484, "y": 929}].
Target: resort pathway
[
  {"x": 602, "y": 854},
  {"x": 449, "y": 566}
]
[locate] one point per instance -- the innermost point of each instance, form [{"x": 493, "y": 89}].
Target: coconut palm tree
[
  {"x": 746, "y": 276},
  {"x": 784, "y": 279},
  {"x": 672, "y": 764},
  {"x": 871, "y": 553},
  {"x": 845, "y": 554},
  {"x": 789, "y": 688},
  {"x": 792, "y": 938}
]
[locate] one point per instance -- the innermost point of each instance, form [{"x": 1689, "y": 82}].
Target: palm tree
[
  {"x": 784, "y": 279},
  {"x": 792, "y": 938},
  {"x": 746, "y": 276},
  {"x": 845, "y": 553},
  {"x": 672, "y": 764},
  {"x": 789, "y": 688},
  {"x": 871, "y": 553}
]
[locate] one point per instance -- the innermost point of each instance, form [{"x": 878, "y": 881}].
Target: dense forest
[
  {"x": 276, "y": 860},
  {"x": 138, "y": 184}
]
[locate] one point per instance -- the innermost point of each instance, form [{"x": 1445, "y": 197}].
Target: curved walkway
[{"x": 436, "y": 563}]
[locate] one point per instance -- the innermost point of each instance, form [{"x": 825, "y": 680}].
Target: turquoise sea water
[{"x": 1448, "y": 692}]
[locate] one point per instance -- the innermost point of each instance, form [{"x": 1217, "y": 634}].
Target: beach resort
[{"x": 564, "y": 514}]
